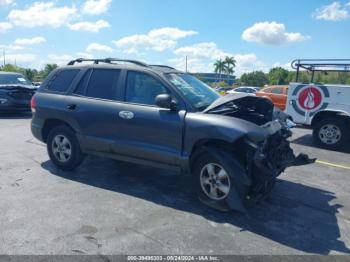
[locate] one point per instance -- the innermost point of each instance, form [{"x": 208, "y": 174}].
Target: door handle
[
  {"x": 126, "y": 114},
  {"x": 72, "y": 107}
]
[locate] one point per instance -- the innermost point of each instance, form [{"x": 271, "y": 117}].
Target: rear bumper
[{"x": 37, "y": 131}]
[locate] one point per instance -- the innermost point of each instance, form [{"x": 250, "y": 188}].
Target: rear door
[
  {"x": 147, "y": 131},
  {"x": 93, "y": 105}
]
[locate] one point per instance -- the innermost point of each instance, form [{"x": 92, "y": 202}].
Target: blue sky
[{"x": 259, "y": 33}]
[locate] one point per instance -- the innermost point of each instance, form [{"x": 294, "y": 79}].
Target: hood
[{"x": 226, "y": 99}]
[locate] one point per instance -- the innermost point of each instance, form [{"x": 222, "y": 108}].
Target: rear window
[
  {"x": 103, "y": 84},
  {"x": 61, "y": 81},
  {"x": 13, "y": 79}
]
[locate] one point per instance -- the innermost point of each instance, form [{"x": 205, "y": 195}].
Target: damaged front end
[{"x": 263, "y": 161}]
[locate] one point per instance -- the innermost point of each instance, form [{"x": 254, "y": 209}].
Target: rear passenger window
[
  {"x": 103, "y": 83},
  {"x": 62, "y": 80}
]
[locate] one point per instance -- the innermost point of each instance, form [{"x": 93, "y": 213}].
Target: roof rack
[
  {"x": 163, "y": 66},
  {"x": 321, "y": 65},
  {"x": 107, "y": 60}
]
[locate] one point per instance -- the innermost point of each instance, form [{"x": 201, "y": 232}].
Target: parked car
[
  {"x": 234, "y": 146},
  {"x": 276, "y": 94},
  {"x": 244, "y": 89},
  {"x": 15, "y": 92},
  {"x": 223, "y": 90},
  {"x": 324, "y": 107}
]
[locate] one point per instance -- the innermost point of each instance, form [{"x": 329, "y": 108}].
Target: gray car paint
[{"x": 155, "y": 136}]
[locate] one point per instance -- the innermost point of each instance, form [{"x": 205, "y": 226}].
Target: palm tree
[
  {"x": 219, "y": 67},
  {"x": 230, "y": 63}
]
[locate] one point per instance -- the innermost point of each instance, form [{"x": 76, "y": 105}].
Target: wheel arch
[
  {"x": 50, "y": 124},
  {"x": 327, "y": 114},
  {"x": 201, "y": 147}
]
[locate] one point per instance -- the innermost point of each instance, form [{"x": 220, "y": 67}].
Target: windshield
[
  {"x": 13, "y": 79},
  {"x": 197, "y": 93}
]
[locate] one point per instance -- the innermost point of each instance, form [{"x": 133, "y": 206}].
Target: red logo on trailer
[{"x": 310, "y": 98}]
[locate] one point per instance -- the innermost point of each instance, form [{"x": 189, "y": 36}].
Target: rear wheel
[
  {"x": 216, "y": 183},
  {"x": 331, "y": 133},
  {"x": 63, "y": 148}
]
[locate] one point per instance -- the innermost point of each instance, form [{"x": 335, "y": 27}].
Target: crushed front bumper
[{"x": 266, "y": 161}]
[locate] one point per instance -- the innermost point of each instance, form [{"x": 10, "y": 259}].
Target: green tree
[
  {"x": 256, "y": 78},
  {"x": 10, "y": 68},
  {"x": 278, "y": 76},
  {"x": 30, "y": 74},
  {"x": 48, "y": 69}
]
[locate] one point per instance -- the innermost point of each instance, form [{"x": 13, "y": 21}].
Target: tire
[
  {"x": 63, "y": 148},
  {"x": 222, "y": 201},
  {"x": 331, "y": 133}
]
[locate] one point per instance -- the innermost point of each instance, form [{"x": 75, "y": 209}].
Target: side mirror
[{"x": 166, "y": 101}]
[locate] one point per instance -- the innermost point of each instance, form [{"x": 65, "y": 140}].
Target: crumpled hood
[
  {"x": 18, "y": 87},
  {"x": 226, "y": 99}
]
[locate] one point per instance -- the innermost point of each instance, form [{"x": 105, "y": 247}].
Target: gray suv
[{"x": 234, "y": 146}]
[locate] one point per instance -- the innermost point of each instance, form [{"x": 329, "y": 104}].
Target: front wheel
[
  {"x": 63, "y": 148},
  {"x": 217, "y": 186},
  {"x": 331, "y": 133}
]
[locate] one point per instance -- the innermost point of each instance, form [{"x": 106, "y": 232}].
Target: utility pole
[
  {"x": 186, "y": 65},
  {"x": 3, "y": 54}
]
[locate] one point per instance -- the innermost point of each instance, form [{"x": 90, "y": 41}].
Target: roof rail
[
  {"x": 107, "y": 60},
  {"x": 163, "y": 66},
  {"x": 321, "y": 65}
]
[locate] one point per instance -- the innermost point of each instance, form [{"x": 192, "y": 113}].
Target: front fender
[{"x": 201, "y": 126}]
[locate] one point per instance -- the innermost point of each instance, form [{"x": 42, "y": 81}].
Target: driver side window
[{"x": 142, "y": 88}]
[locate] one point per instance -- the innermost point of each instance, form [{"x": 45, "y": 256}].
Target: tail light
[{"x": 33, "y": 104}]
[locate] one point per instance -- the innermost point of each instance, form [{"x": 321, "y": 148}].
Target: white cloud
[
  {"x": 20, "y": 58},
  {"x": 202, "y": 50},
  {"x": 85, "y": 55},
  {"x": 171, "y": 33},
  {"x": 271, "y": 33},
  {"x": 332, "y": 12},
  {"x": 89, "y": 26},
  {"x": 4, "y": 27},
  {"x": 42, "y": 14},
  {"x": 201, "y": 58},
  {"x": 30, "y": 41},
  {"x": 95, "y": 47},
  {"x": 286, "y": 66},
  {"x": 193, "y": 64},
  {"x": 11, "y": 47},
  {"x": 59, "y": 59},
  {"x": 158, "y": 40},
  {"x": 6, "y": 2},
  {"x": 95, "y": 7}
]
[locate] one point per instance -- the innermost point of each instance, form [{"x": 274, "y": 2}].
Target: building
[{"x": 214, "y": 78}]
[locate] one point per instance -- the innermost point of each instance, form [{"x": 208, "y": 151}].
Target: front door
[{"x": 148, "y": 132}]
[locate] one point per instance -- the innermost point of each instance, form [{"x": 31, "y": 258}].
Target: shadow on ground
[
  {"x": 307, "y": 140},
  {"x": 15, "y": 115},
  {"x": 295, "y": 215}
]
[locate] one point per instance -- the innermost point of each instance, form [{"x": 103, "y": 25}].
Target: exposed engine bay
[{"x": 264, "y": 160}]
